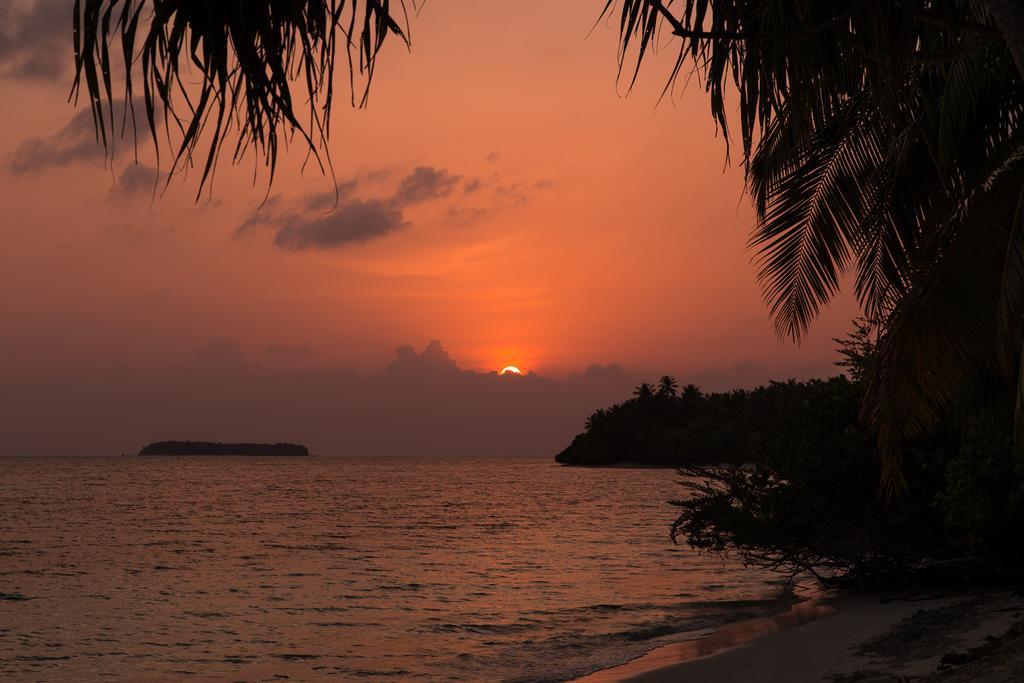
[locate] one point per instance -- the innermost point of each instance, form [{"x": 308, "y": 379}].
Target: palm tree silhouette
[
  {"x": 644, "y": 392},
  {"x": 692, "y": 392},
  {"x": 595, "y": 419},
  {"x": 882, "y": 139},
  {"x": 668, "y": 387},
  {"x": 904, "y": 166}
]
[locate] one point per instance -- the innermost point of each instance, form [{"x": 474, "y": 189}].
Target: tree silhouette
[
  {"x": 644, "y": 392},
  {"x": 878, "y": 138},
  {"x": 247, "y": 54},
  {"x": 691, "y": 392},
  {"x": 881, "y": 138},
  {"x": 668, "y": 387},
  {"x": 595, "y": 419}
]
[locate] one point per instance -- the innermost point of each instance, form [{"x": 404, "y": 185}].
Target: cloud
[
  {"x": 355, "y": 222},
  {"x": 137, "y": 179},
  {"x": 459, "y": 216},
  {"x": 512, "y": 195},
  {"x": 35, "y": 39},
  {"x": 75, "y": 142},
  {"x": 321, "y": 201},
  {"x": 598, "y": 372},
  {"x": 746, "y": 374},
  {"x": 267, "y": 214},
  {"x": 363, "y": 210},
  {"x": 220, "y": 355},
  {"x": 377, "y": 175},
  {"x": 421, "y": 404},
  {"x": 423, "y": 184},
  {"x": 303, "y": 224},
  {"x": 433, "y": 360}
]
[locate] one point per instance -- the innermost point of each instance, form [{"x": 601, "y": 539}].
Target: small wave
[
  {"x": 649, "y": 632},
  {"x": 482, "y": 628},
  {"x": 402, "y": 587},
  {"x": 600, "y": 608},
  {"x": 326, "y": 609},
  {"x": 733, "y": 606},
  {"x": 318, "y": 547}
]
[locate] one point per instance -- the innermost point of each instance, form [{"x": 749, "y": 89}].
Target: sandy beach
[{"x": 851, "y": 638}]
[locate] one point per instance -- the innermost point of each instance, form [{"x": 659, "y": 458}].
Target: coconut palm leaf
[
  {"x": 945, "y": 326},
  {"x": 259, "y": 65},
  {"x": 1011, "y": 291},
  {"x": 899, "y": 201},
  {"x": 810, "y": 198},
  {"x": 870, "y": 132}
]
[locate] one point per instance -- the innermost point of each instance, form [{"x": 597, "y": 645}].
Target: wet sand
[{"x": 852, "y": 637}]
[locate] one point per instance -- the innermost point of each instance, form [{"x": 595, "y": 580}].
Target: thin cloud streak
[
  {"x": 423, "y": 184},
  {"x": 355, "y": 222},
  {"x": 77, "y": 141},
  {"x": 328, "y": 220}
]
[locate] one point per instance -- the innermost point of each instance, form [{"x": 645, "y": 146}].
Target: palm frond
[
  {"x": 945, "y": 326},
  {"x": 899, "y": 201},
  {"x": 1011, "y": 295},
  {"x": 258, "y": 64},
  {"x": 808, "y": 211}
]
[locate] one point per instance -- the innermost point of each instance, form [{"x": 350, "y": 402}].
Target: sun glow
[{"x": 510, "y": 370}]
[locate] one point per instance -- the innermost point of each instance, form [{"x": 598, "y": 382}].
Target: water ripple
[{"x": 388, "y": 569}]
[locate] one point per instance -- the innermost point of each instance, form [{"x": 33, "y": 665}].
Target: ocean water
[{"x": 329, "y": 568}]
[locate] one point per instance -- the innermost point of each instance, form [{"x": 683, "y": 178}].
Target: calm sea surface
[{"x": 313, "y": 568}]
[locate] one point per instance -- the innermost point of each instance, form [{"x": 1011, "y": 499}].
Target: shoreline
[{"x": 870, "y": 636}]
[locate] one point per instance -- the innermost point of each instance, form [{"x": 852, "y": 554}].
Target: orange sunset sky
[{"x": 545, "y": 220}]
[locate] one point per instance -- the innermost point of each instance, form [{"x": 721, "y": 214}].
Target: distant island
[{"x": 217, "y": 448}]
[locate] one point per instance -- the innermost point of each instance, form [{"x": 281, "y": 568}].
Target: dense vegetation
[
  {"x": 803, "y": 495},
  {"x": 665, "y": 427},
  {"x": 217, "y": 448}
]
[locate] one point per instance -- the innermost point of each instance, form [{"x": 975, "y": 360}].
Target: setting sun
[{"x": 510, "y": 370}]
